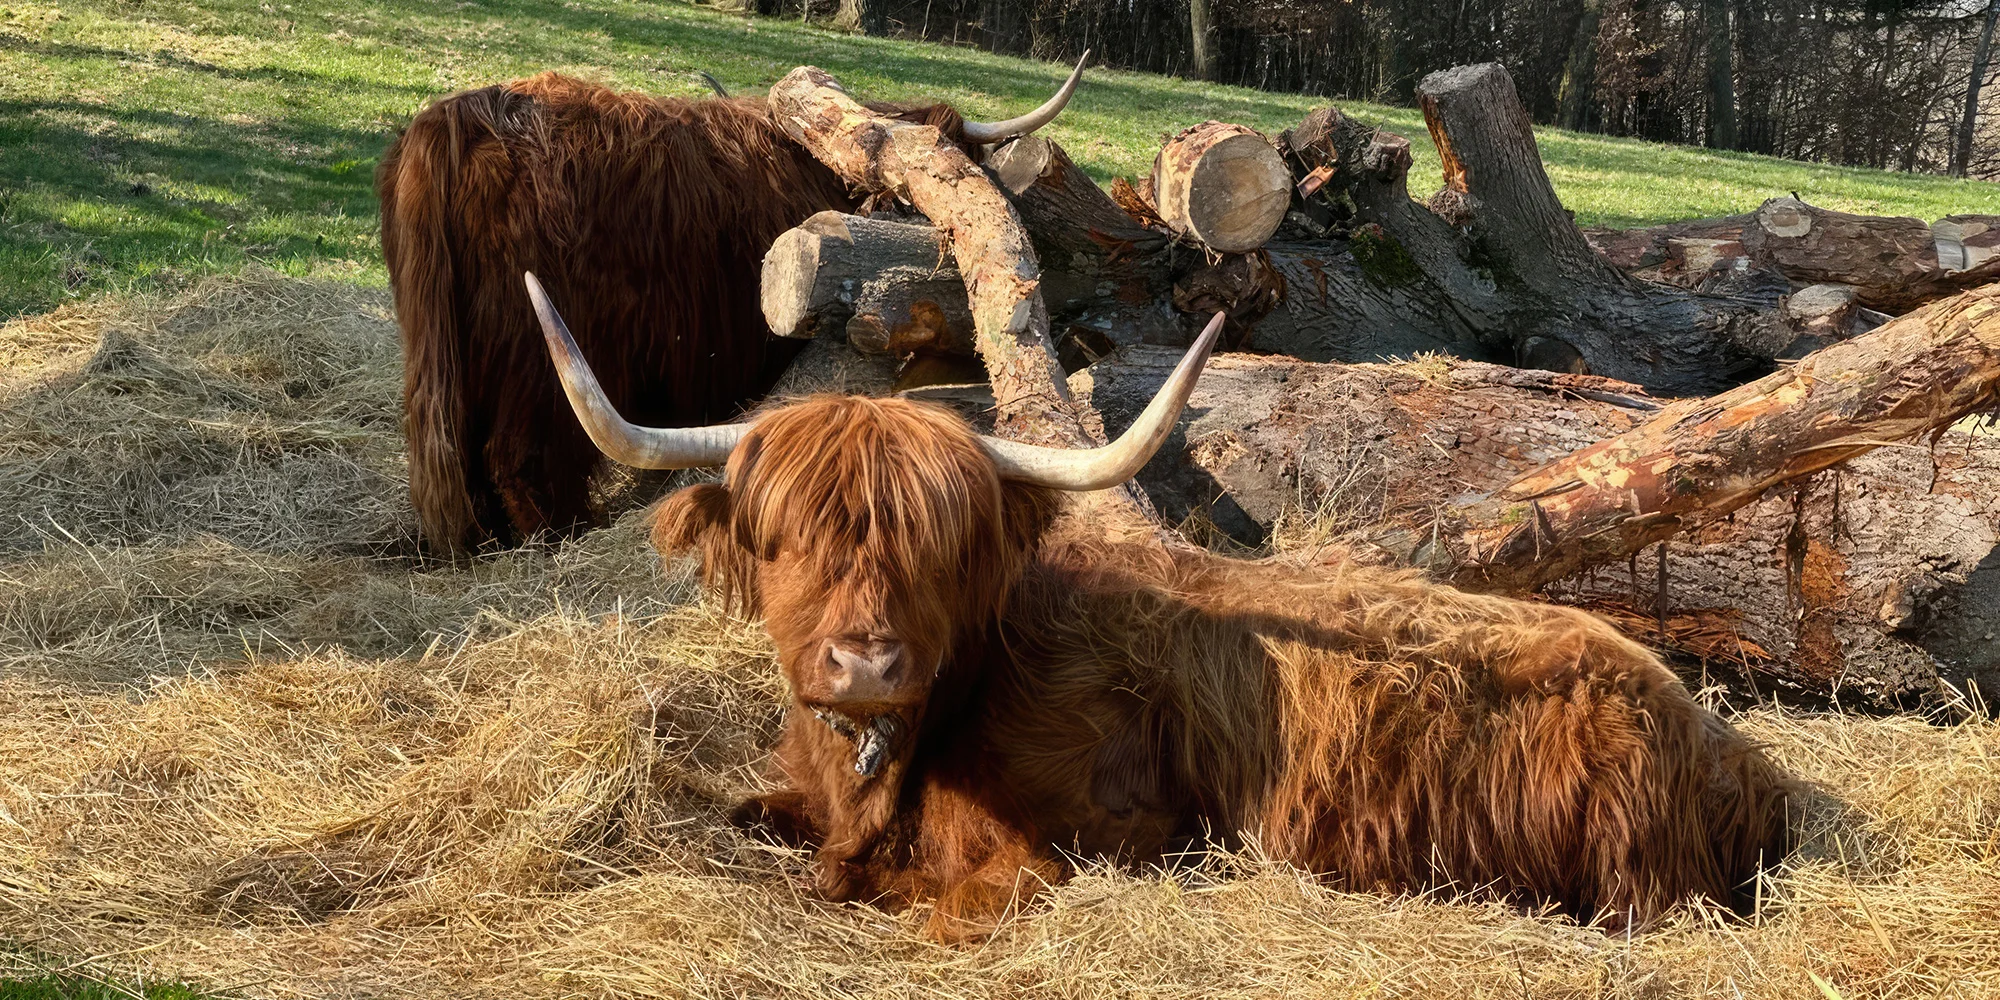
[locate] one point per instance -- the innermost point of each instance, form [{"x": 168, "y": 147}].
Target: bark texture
[
  {"x": 1699, "y": 460},
  {"x": 992, "y": 250},
  {"x": 890, "y": 287},
  {"x": 1870, "y": 582},
  {"x": 1893, "y": 264}
]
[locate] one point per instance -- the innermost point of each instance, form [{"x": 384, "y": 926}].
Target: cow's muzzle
[
  {"x": 865, "y": 670},
  {"x": 875, "y": 740}
]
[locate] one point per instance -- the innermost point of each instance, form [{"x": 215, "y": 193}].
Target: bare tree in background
[
  {"x": 1877, "y": 83},
  {"x": 1721, "y": 75},
  {"x": 867, "y": 16},
  {"x": 1580, "y": 70},
  {"x": 1201, "y": 28},
  {"x": 1961, "y": 152}
]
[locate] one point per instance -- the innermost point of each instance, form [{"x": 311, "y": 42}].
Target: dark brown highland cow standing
[
  {"x": 648, "y": 216},
  {"x": 983, "y": 684}
]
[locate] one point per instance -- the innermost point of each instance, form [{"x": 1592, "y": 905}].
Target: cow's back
[
  {"x": 1368, "y": 723},
  {"x": 646, "y": 219}
]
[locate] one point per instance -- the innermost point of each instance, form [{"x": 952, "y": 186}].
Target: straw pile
[{"x": 247, "y": 738}]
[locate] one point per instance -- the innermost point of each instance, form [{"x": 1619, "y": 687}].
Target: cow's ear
[
  {"x": 1028, "y": 510},
  {"x": 689, "y": 516}
]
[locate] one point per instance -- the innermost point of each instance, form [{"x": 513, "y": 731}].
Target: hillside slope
[{"x": 151, "y": 143}]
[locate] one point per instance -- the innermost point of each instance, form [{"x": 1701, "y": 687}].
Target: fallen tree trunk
[
  {"x": 992, "y": 250},
  {"x": 1870, "y": 572},
  {"x": 1892, "y": 264},
  {"x": 1700, "y": 460}
]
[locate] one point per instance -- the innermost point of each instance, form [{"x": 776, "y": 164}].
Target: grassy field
[
  {"x": 148, "y": 142},
  {"x": 58, "y": 986}
]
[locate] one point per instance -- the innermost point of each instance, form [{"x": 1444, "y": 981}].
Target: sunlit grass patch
[{"x": 144, "y": 144}]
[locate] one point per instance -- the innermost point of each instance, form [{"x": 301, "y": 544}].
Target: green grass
[
  {"x": 26, "y": 974},
  {"x": 61, "y": 987},
  {"x": 146, "y": 142}
]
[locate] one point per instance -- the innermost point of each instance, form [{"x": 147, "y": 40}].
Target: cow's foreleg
[
  {"x": 782, "y": 815},
  {"x": 976, "y": 863}
]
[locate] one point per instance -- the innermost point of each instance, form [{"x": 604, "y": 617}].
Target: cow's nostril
[{"x": 865, "y": 668}]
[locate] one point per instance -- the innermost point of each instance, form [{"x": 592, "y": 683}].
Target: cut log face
[
  {"x": 1223, "y": 185},
  {"x": 891, "y": 286},
  {"x": 1966, "y": 242}
]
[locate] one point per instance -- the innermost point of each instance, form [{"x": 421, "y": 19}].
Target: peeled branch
[
  {"x": 1700, "y": 459},
  {"x": 1002, "y": 275}
]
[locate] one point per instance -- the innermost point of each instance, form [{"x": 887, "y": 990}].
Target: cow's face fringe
[{"x": 848, "y": 519}]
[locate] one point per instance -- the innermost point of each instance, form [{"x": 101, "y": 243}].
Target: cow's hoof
[
  {"x": 837, "y": 881},
  {"x": 779, "y": 816}
]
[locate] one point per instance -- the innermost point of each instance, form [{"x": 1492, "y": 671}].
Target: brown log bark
[
  {"x": 1222, "y": 185},
  {"x": 1699, "y": 460},
  {"x": 1894, "y": 264},
  {"x": 1558, "y": 297},
  {"x": 1869, "y": 582},
  {"x": 992, "y": 250},
  {"x": 1103, "y": 271},
  {"x": 891, "y": 287}
]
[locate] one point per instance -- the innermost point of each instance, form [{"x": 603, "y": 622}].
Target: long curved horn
[
  {"x": 1082, "y": 470},
  {"x": 641, "y": 447},
  {"x": 990, "y": 132}
]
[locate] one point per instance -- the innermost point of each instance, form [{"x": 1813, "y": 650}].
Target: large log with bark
[
  {"x": 888, "y": 287},
  {"x": 1700, "y": 460},
  {"x": 1890, "y": 264},
  {"x": 1802, "y": 533}
]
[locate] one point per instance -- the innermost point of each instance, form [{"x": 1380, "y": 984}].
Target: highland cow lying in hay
[{"x": 983, "y": 685}]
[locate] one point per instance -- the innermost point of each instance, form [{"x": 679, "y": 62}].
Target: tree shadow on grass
[{"x": 94, "y": 193}]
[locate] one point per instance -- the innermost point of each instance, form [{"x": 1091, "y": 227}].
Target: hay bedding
[{"x": 246, "y": 739}]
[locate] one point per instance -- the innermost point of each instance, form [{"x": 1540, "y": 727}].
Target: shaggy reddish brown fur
[
  {"x": 1082, "y": 697},
  {"x": 646, "y": 218}
]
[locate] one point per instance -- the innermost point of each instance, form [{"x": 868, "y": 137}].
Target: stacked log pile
[{"x": 1714, "y": 432}]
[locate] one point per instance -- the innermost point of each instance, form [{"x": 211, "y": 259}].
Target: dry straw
[{"x": 246, "y": 738}]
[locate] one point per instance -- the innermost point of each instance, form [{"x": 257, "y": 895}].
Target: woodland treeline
[{"x": 1878, "y": 83}]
